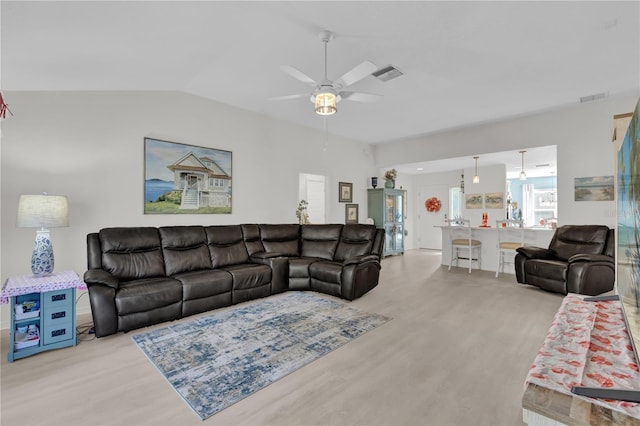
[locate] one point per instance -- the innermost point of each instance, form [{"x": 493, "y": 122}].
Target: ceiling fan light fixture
[{"x": 326, "y": 103}]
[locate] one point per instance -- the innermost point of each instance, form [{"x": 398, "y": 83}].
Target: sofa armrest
[
  {"x": 101, "y": 277},
  {"x": 583, "y": 257},
  {"x": 536, "y": 252},
  {"x": 360, "y": 259},
  {"x": 259, "y": 257}
]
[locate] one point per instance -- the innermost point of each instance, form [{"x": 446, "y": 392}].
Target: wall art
[
  {"x": 350, "y": 213},
  {"x": 180, "y": 178},
  {"x": 494, "y": 200},
  {"x": 473, "y": 201},
  {"x": 345, "y": 191},
  {"x": 596, "y": 188}
]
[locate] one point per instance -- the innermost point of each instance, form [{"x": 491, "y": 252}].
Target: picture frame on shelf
[
  {"x": 345, "y": 192},
  {"x": 351, "y": 213}
]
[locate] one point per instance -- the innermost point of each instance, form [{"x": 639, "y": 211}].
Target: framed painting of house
[
  {"x": 180, "y": 178},
  {"x": 345, "y": 192}
]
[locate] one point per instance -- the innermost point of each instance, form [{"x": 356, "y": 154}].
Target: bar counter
[{"x": 534, "y": 236}]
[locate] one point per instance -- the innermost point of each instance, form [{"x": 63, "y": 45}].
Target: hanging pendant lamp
[
  {"x": 523, "y": 175},
  {"x": 476, "y": 178}
]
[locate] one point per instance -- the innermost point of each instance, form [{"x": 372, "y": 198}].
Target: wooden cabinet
[{"x": 387, "y": 209}]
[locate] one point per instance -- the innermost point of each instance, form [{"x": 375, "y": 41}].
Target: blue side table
[{"x": 43, "y": 312}]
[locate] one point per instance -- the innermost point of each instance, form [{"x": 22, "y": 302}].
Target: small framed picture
[
  {"x": 350, "y": 213},
  {"x": 345, "y": 191}
]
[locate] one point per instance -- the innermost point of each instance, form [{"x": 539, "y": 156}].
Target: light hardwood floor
[{"x": 455, "y": 353}]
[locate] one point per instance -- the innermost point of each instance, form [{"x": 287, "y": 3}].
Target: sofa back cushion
[
  {"x": 131, "y": 253},
  {"x": 283, "y": 239},
  {"x": 251, "y": 235},
  {"x": 226, "y": 245},
  {"x": 355, "y": 240},
  {"x": 320, "y": 241},
  {"x": 184, "y": 249},
  {"x": 573, "y": 239}
]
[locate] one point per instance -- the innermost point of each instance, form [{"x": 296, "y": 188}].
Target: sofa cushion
[
  {"x": 249, "y": 275},
  {"x": 573, "y": 239},
  {"x": 184, "y": 249},
  {"x": 329, "y": 272},
  {"x": 226, "y": 245},
  {"x": 204, "y": 283},
  {"x": 355, "y": 240},
  {"x": 282, "y": 239},
  {"x": 147, "y": 294},
  {"x": 320, "y": 241},
  {"x": 252, "y": 241},
  {"x": 131, "y": 253}
]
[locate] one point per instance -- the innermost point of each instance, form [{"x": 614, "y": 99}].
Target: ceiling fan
[{"x": 327, "y": 93}]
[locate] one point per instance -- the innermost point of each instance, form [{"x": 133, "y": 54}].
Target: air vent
[
  {"x": 594, "y": 97},
  {"x": 387, "y": 73},
  {"x": 543, "y": 165}
]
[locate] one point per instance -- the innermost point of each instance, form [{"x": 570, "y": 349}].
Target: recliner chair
[{"x": 580, "y": 259}]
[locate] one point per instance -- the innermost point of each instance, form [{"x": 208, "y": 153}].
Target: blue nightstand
[{"x": 43, "y": 312}]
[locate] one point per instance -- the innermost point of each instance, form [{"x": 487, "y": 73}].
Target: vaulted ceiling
[{"x": 463, "y": 62}]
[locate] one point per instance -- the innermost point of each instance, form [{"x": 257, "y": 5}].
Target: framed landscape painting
[
  {"x": 494, "y": 200},
  {"x": 473, "y": 201},
  {"x": 596, "y": 188},
  {"x": 189, "y": 179}
]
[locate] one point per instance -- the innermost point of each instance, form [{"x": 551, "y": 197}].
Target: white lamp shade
[{"x": 43, "y": 211}]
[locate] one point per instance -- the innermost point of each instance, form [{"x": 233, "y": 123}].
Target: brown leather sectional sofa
[{"x": 139, "y": 276}]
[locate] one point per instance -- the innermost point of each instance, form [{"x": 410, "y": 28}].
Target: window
[
  {"x": 312, "y": 189},
  {"x": 455, "y": 204},
  {"x": 216, "y": 183}
]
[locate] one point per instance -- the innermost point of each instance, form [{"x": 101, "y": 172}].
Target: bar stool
[
  {"x": 510, "y": 237},
  {"x": 462, "y": 243}
]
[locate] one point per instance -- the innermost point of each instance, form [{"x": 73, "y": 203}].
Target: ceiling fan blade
[
  {"x": 360, "y": 97},
  {"x": 287, "y": 97},
  {"x": 357, "y": 73},
  {"x": 297, "y": 74}
]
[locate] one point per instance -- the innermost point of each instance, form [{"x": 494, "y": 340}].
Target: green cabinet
[{"x": 387, "y": 209}]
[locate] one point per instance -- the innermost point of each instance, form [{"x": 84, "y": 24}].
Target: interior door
[{"x": 429, "y": 236}]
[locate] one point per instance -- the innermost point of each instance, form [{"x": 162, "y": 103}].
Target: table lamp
[{"x": 42, "y": 211}]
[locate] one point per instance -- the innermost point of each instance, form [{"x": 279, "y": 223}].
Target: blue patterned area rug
[{"x": 215, "y": 361}]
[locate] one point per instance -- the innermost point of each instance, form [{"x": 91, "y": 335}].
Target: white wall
[
  {"x": 581, "y": 132},
  {"x": 89, "y": 146}
]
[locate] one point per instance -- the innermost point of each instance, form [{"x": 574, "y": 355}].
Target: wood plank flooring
[{"x": 455, "y": 353}]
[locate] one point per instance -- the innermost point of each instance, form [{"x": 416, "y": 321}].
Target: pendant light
[
  {"x": 476, "y": 178},
  {"x": 462, "y": 184},
  {"x": 523, "y": 175}
]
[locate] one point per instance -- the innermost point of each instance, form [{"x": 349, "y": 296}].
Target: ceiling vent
[
  {"x": 594, "y": 97},
  {"x": 387, "y": 73}
]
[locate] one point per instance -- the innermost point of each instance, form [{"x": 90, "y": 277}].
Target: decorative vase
[
  {"x": 374, "y": 182},
  {"x": 390, "y": 184}
]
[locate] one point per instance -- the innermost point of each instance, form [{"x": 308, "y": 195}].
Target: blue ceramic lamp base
[{"x": 42, "y": 258}]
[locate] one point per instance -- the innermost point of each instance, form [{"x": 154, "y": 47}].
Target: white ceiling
[{"x": 464, "y": 62}]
